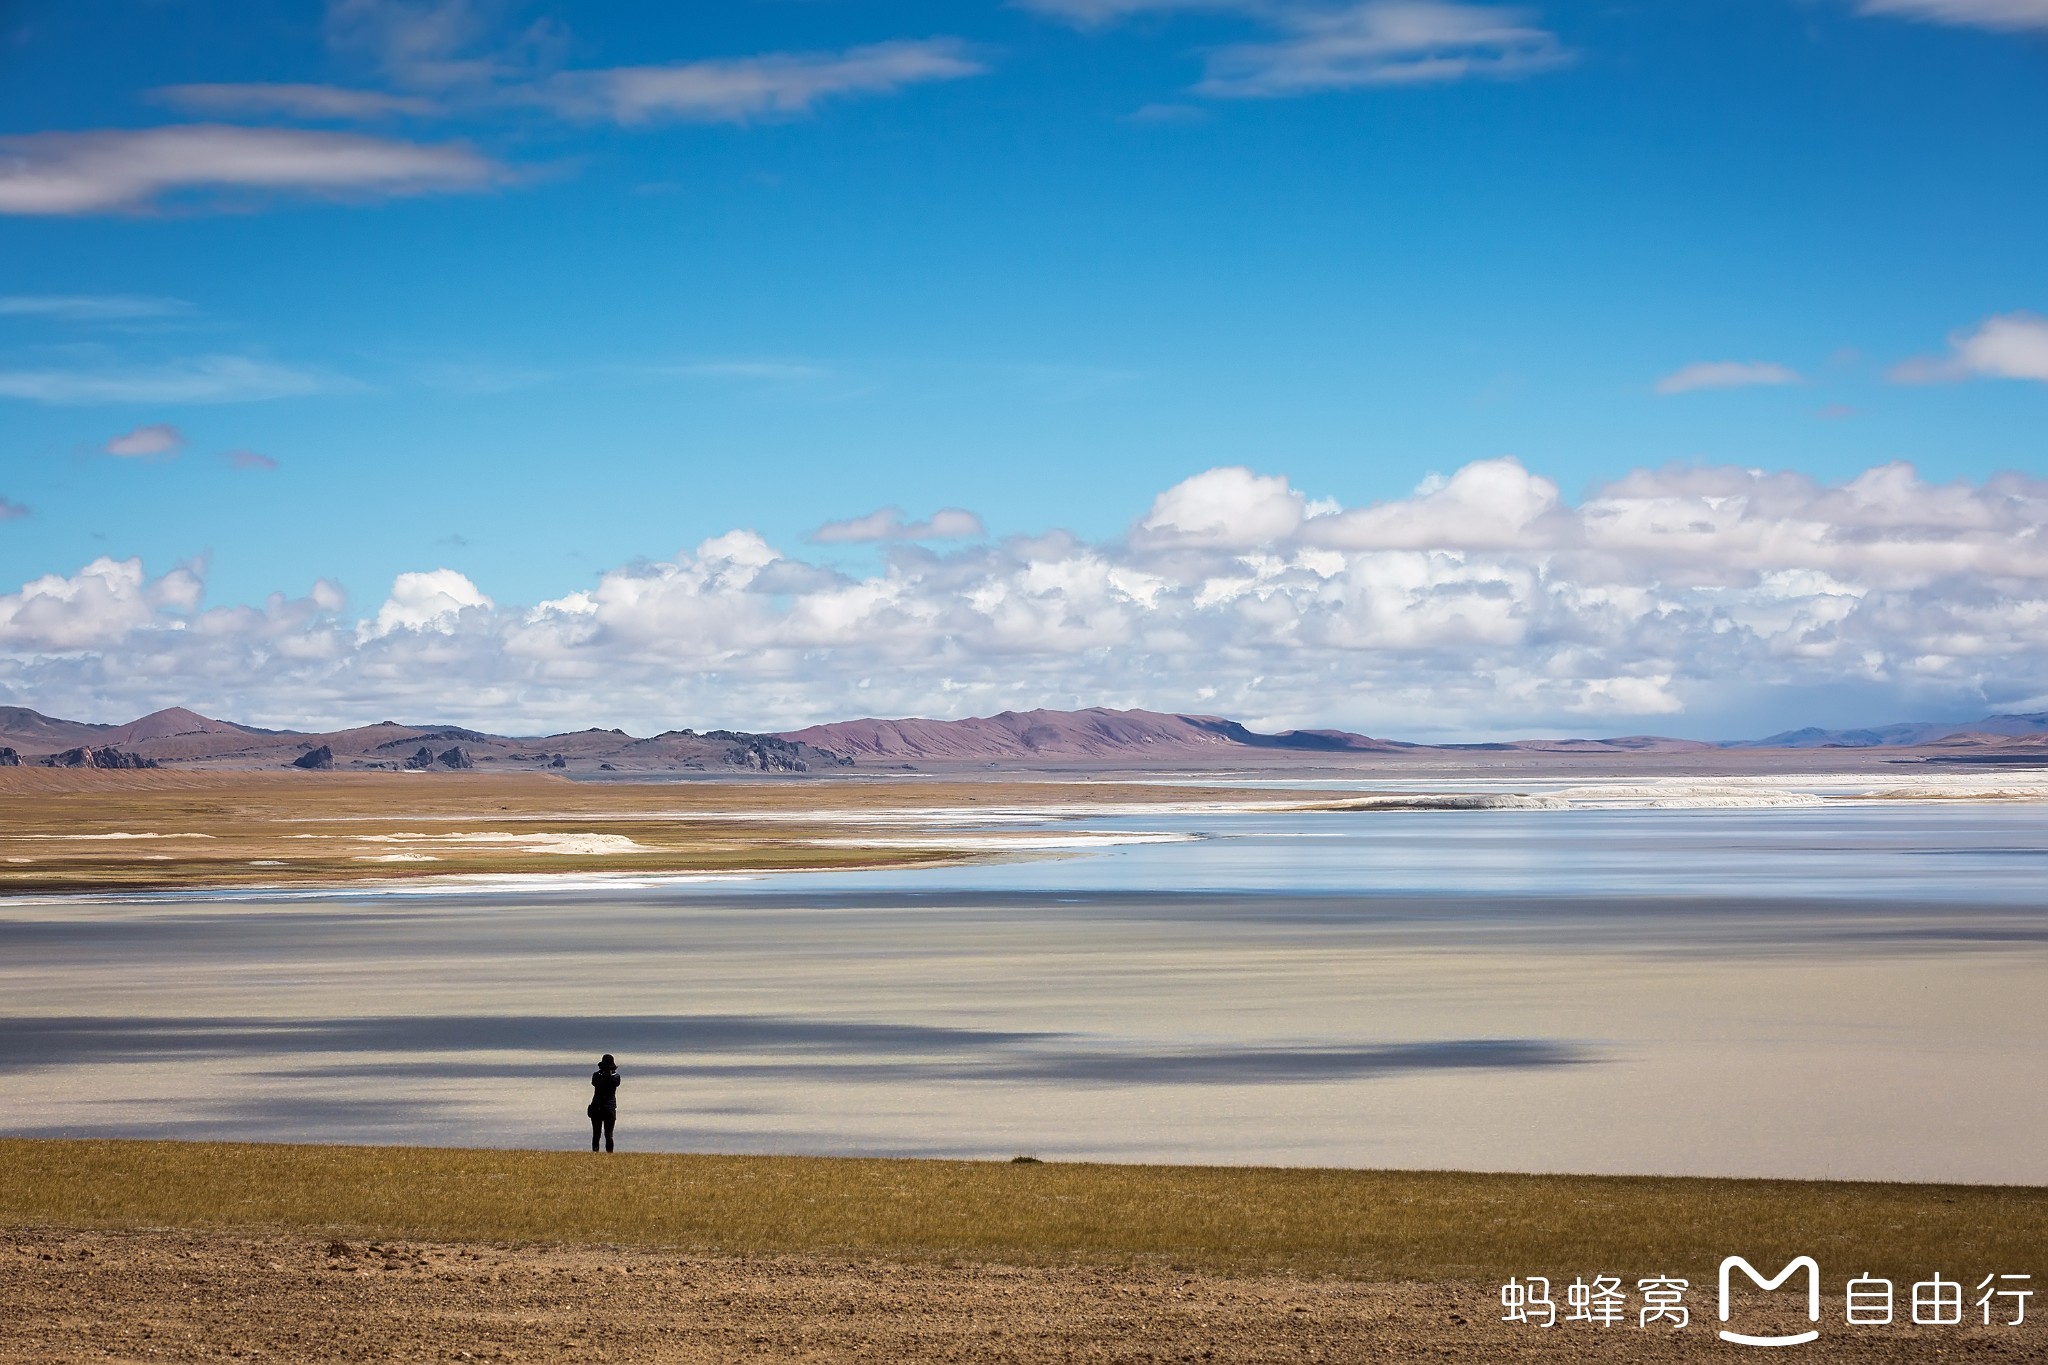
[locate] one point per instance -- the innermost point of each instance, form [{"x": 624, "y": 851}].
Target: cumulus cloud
[
  {"x": 325, "y": 102},
  {"x": 1383, "y": 42},
  {"x": 102, "y": 604},
  {"x": 147, "y": 442},
  {"x": 206, "y": 379},
  {"x": 1230, "y": 508},
  {"x": 1726, "y": 374},
  {"x": 130, "y": 170},
  {"x": 1481, "y": 601},
  {"x": 948, "y": 523},
  {"x": 430, "y": 601},
  {"x": 2008, "y": 346},
  {"x": 249, "y": 459},
  {"x": 1487, "y": 505},
  {"x": 90, "y": 307},
  {"x": 2010, "y": 16},
  {"x": 734, "y": 90}
]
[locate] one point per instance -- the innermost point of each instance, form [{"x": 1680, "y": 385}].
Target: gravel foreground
[{"x": 166, "y": 1296}]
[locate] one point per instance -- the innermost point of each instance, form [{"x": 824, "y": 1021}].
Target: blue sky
[{"x": 535, "y": 294}]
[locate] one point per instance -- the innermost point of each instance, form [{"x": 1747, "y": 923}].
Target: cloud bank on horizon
[{"x": 1482, "y": 601}]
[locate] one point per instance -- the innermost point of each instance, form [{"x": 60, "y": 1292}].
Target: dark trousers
[{"x": 601, "y": 1122}]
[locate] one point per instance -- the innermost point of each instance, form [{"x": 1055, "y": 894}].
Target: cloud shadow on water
[{"x": 537, "y": 1047}]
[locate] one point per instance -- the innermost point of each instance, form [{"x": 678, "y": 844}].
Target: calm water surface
[{"x": 1842, "y": 990}]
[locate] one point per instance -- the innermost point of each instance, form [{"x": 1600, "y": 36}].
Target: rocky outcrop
[
  {"x": 318, "y": 760},
  {"x": 457, "y": 757},
  {"x": 763, "y": 753},
  {"x": 9, "y": 758},
  {"x": 108, "y": 757},
  {"x": 421, "y": 760}
]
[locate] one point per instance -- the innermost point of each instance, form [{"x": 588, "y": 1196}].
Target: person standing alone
[{"x": 604, "y": 1101}]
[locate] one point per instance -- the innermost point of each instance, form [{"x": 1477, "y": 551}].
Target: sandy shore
[
  {"x": 67, "y": 833},
  {"x": 161, "y": 1295}
]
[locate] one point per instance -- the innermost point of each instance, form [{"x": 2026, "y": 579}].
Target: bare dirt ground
[{"x": 168, "y": 1296}]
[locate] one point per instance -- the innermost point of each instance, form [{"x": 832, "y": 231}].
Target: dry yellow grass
[
  {"x": 1381, "y": 1225},
  {"x": 241, "y": 829}
]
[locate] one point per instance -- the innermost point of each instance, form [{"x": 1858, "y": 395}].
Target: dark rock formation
[
  {"x": 108, "y": 757},
  {"x": 9, "y": 758},
  {"x": 556, "y": 762},
  {"x": 771, "y": 754},
  {"x": 422, "y": 759},
  {"x": 319, "y": 760},
  {"x": 457, "y": 757}
]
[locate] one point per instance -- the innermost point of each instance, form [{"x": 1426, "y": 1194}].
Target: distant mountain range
[
  {"x": 2028, "y": 726},
  {"x": 186, "y": 738},
  {"x": 1013, "y": 738}
]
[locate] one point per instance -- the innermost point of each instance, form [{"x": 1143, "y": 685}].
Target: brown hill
[
  {"x": 173, "y": 723},
  {"x": 1090, "y": 734}
]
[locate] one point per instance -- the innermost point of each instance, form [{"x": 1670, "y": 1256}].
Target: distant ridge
[
  {"x": 34, "y": 732},
  {"x": 1096, "y": 732},
  {"x": 2030, "y": 725}
]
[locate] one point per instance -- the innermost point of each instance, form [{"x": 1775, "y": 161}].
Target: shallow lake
[{"x": 1844, "y": 990}]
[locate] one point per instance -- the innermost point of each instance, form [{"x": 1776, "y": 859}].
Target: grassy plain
[
  {"x": 69, "y": 830},
  {"x": 1367, "y": 1225}
]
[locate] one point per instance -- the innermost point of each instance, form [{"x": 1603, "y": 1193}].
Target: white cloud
[
  {"x": 293, "y": 101},
  {"x": 1383, "y": 42},
  {"x": 734, "y": 90},
  {"x": 461, "y": 51},
  {"x": 1228, "y": 508},
  {"x": 249, "y": 459},
  {"x": 1726, "y": 374},
  {"x": 948, "y": 523},
  {"x": 430, "y": 601},
  {"x": 1489, "y": 505},
  {"x": 208, "y": 379},
  {"x": 90, "y": 307},
  {"x": 432, "y": 44},
  {"x": 12, "y": 511},
  {"x": 2008, "y": 346},
  {"x": 1482, "y": 601},
  {"x": 146, "y": 442},
  {"x": 2011, "y": 16},
  {"x": 128, "y": 171},
  {"x": 98, "y": 606}
]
